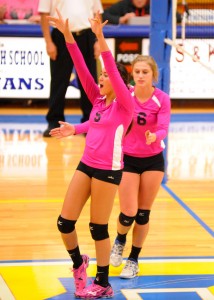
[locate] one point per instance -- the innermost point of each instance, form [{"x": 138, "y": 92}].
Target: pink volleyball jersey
[
  {"x": 20, "y": 9},
  {"x": 107, "y": 124},
  {"x": 153, "y": 115}
]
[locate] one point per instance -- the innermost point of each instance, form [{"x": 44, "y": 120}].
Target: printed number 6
[{"x": 140, "y": 119}]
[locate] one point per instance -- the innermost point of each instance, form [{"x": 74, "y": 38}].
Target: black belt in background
[{"x": 77, "y": 33}]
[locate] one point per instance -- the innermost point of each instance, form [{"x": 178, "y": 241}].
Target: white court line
[
  {"x": 133, "y": 294},
  {"x": 5, "y": 293}
]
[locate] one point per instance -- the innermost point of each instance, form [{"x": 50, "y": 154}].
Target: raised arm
[
  {"x": 90, "y": 86},
  {"x": 121, "y": 90},
  {"x": 62, "y": 26}
]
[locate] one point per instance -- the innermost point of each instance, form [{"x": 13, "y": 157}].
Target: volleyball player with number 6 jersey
[
  {"x": 100, "y": 169},
  {"x": 143, "y": 162}
]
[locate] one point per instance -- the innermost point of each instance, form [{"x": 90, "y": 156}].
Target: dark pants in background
[{"x": 61, "y": 70}]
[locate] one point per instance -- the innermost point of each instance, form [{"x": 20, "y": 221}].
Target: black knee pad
[
  {"x": 65, "y": 226},
  {"x": 99, "y": 232},
  {"x": 142, "y": 216},
  {"x": 126, "y": 220}
]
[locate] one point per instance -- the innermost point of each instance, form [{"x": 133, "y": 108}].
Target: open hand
[
  {"x": 65, "y": 130},
  {"x": 62, "y": 25},
  {"x": 97, "y": 25}
]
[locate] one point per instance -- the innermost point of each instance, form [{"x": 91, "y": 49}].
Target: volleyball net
[
  {"x": 184, "y": 51},
  {"x": 194, "y": 35}
]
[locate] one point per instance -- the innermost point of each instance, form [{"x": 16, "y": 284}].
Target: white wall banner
[
  {"x": 25, "y": 69},
  {"x": 25, "y": 72},
  {"x": 192, "y": 71}
]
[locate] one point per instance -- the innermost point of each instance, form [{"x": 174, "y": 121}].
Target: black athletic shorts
[
  {"x": 139, "y": 165},
  {"x": 104, "y": 175}
]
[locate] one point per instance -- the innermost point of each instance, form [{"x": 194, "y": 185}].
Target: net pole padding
[{"x": 161, "y": 28}]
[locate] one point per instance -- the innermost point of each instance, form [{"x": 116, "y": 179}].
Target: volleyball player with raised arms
[{"x": 100, "y": 169}]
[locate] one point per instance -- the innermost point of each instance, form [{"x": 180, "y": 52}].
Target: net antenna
[
  {"x": 184, "y": 18},
  {"x": 196, "y": 17},
  {"x": 174, "y": 21}
]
